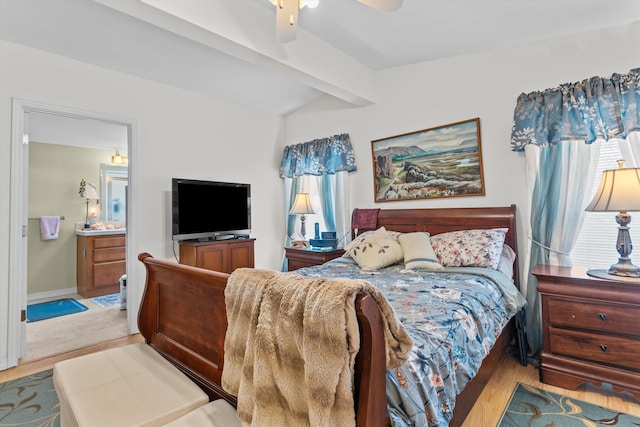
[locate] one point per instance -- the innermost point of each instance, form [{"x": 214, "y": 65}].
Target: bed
[
  {"x": 176, "y": 294},
  {"x": 454, "y": 315}
]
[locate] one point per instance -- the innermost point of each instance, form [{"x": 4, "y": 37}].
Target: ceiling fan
[{"x": 287, "y": 14}]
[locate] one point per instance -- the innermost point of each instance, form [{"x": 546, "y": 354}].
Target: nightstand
[
  {"x": 590, "y": 329},
  {"x": 305, "y": 257}
]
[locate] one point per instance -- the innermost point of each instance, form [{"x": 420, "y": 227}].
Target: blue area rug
[
  {"x": 57, "y": 308},
  {"x": 533, "y": 407},
  {"x": 107, "y": 301},
  {"x": 30, "y": 401}
]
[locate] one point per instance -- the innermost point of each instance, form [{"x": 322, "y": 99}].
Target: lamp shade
[
  {"x": 90, "y": 192},
  {"x": 619, "y": 190},
  {"x": 301, "y": 204}
]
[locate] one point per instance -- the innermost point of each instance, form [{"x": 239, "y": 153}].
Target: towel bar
[{"x": 31, "y": 219}]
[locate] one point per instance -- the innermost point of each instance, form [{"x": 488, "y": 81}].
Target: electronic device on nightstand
[{"x": 328, "y": 240}]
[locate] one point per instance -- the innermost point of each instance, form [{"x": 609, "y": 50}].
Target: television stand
[{"x": 218, "y": 255}]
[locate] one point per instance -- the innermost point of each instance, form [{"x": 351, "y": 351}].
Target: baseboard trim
[{"x": 51, "y": 294}]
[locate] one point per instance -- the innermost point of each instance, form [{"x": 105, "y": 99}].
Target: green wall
[{"x": 55, "y": 172}]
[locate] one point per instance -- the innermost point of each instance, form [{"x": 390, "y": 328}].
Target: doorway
[{"x": 23, "y": 111}]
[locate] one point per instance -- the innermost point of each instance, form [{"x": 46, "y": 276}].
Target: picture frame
[{"x": 444, "y": 161}]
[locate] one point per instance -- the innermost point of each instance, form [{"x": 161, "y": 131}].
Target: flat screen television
[{"x": 209, "y": 210}]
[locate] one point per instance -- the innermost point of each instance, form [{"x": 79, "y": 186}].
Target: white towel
[{"x": 49, "y": 227}]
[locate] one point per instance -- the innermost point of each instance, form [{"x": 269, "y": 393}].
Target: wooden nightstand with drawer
[
  {"x": 303, "y": 257},
  {"x": 590, "y": 329}
]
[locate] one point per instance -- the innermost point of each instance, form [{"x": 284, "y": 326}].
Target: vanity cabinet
[
  {"x": 101, "y": 261},
  {"x": 223, "y": 255}
]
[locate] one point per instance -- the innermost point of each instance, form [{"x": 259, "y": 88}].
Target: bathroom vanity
[{"x": 100, "y": 261}]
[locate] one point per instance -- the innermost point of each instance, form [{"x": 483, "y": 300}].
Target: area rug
[
  {"x": 107, "y": 301},
  {"x": 57, "y": 308},
  {"x": 533, "y": 407},
  {"x": 29, "y": 401}
]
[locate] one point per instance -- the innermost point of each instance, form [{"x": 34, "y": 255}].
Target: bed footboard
[{"x": 183, "y": 317}]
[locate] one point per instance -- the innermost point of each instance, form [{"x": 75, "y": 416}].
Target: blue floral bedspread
[{"x": 453, "y": 315}]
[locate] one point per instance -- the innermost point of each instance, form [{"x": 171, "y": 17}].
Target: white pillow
[
  {"x": 375, "y": 250},
  {"x": 508, "y": 257},
  {"x": 359, "y": 237},
  {"x": 418, "y": 252}
]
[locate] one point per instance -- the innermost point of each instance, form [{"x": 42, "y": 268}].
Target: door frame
[{"x": 18, "y": 213}]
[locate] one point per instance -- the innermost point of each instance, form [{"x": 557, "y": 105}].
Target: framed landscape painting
[{"x": 445, "y": 161}]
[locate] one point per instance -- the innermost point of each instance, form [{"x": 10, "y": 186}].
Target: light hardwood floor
[{"x": 486, "y": 412}]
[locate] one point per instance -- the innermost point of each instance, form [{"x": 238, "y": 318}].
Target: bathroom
[{"x": 56, "y": 168}]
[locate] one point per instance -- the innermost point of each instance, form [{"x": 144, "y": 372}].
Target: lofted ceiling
[{"x": 227, "y": 48}]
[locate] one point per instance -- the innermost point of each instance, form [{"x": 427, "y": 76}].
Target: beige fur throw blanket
[{"x": 290, "y": 347}]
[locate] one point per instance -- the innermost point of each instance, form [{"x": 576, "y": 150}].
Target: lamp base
[
  {"x": 624, "y": 268},
  {"x": 604, "y": 274}
]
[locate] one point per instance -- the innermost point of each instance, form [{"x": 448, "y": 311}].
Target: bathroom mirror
[{"x": 113, "y": 192}]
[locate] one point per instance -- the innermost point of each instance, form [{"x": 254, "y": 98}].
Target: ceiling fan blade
[
  {"x": 286, "y": 20},
  {"x": 383, "y": 5}
]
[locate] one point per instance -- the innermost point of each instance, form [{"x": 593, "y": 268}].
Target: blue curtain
[
  {"x": 598, "y": 107},
  {"x": 543, "y": 216},
  {"x": 318, "y": 157},
  {"x": 327, "y": 199}
]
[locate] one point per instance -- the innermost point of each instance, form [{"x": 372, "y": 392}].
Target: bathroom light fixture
[
  {"x": 619, "y": 191},
  {"x": 117, "y": 159},
  {"x": 302, "y": 206}
]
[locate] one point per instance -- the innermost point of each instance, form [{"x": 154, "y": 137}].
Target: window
[{"x": 596, "y": 245}]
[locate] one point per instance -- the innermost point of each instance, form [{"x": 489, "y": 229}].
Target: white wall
[
  {"x": 180, "y": 134},
  {"x": 484, "y": 85}
]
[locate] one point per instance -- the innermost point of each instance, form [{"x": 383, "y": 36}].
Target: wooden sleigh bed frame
[{"x": 183, "y": 317}]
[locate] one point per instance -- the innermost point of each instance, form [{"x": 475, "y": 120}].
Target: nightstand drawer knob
[
  {"x": 602, "y": 316},
  {"x": 603, "y": 347}
]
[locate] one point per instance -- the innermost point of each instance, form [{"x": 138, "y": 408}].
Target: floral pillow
[
  {"x": 375, "y": 250},
  {"x": 470, "y": 248},
  {"x": 418, "y": 252}
]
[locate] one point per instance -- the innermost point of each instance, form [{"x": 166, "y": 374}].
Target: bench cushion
[
  {"x": 131, "y": 385},
  {"x": 214, "y": 414}
]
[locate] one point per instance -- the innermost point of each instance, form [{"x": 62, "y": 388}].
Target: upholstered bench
[
  {"x": 214, "y": 414},
  {"x": 125, "y": 386}
]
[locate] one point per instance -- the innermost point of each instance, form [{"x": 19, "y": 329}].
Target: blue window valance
[
  {"x": 324, "y": 156},
  {"x": 594, "y": 108}
]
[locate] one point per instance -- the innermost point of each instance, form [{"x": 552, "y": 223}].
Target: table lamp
[
  {"x": 88, "y": 192},
  {"x": 302, "y": 206},
  {"x": 619, "y": 191}
]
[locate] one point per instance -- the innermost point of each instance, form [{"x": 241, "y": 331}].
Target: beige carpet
[{"x": 62, "y": 334}]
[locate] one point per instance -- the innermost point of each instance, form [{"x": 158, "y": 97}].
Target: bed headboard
[{"x": 441, "y": 220}]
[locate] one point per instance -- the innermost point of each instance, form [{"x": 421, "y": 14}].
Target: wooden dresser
[
  {"x": 101, "y": 261},
  {"x": 301, "y": 257},
  {"x": 590, "y": 328},
  {"x": 221, "y": 255}
]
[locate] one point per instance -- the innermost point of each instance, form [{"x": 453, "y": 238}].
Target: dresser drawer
[
  {"x": 598, "y": 348},
  {"x": 616, "y": 318},
  {"x": 108, "y": 273},
  {"x": 109, "y": 242},
  {"x": 109, "y": 254}
]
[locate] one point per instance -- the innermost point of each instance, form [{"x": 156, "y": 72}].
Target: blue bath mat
[
  {"x": 107, "y": 301},
  {"x": 57, "y": 308}
]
